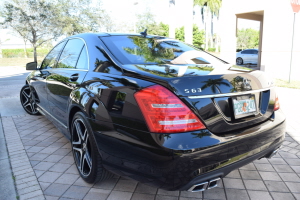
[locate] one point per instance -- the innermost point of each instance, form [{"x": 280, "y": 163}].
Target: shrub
[
  {"x": 19, "y": 53},
  {"x": 211, "y": 49}
]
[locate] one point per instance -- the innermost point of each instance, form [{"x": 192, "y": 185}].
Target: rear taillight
[
  {"x": 276, "y": 104},
  {"x": 164, "y": 112}
]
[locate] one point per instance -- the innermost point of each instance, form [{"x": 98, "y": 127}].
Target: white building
[{"x": 276, "y": 31}]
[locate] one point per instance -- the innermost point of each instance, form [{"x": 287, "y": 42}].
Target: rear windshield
[{"x": 155, "y": 50}]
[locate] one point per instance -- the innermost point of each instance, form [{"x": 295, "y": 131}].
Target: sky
[{"x": 124, "y": 12}]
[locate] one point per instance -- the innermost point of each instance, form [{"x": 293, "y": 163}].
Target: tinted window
[
  {"x": 155, "y": 50},
  {"x": 246, "y": 52},
  {"x": 254, "y": 52},
  {"x": 83, "y": 60},
  {"x": 50, "y": 59},
  {"x": 70, "y": 54}
]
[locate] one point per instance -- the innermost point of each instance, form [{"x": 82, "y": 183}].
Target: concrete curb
[
  {"x": 8, "y": 190},
  {"x": 26, "y": 182}
]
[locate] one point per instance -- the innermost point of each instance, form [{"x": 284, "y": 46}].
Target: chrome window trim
[
  {"x": 229, "y": 94},
  {"x": 88, "y": 56}
]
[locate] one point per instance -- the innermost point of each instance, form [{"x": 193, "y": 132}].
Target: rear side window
[
  {"x": 70, "y": 54},
  {"x": 246, "y": 52},
  {"x": 50, "y": 60},
  {"x": 83, "y": 60}
]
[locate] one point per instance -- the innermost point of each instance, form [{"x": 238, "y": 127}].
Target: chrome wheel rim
[
  {"x": 81, "y": 147},
  {"x": 28, "y": 100}
]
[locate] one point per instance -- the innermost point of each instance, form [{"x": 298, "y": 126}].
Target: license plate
[{"x": 244, "y": 106}]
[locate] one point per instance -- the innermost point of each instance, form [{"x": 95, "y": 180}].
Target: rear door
[
  {"x": 254, "y": 57},
  {"x": 70, "y": 71},
  {"x": 246, "y": 55}
]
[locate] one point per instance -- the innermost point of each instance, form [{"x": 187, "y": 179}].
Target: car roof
[{"x": 105, "y": 34}]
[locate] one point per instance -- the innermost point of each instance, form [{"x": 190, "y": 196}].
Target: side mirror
[{"x": 31, "y": 66}]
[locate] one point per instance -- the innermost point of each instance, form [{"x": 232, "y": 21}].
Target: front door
[
  {"x": 39, "y": 79},
  {"x": 70, "y": 71}
]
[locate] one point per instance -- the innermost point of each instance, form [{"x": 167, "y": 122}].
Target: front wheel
[
  {"x": 85, "y": 153},
  {"x": 239, "y": 61},
  {"x": 28, "y": 100}
]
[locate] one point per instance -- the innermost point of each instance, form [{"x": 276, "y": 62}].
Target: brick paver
[
  {"x": 44, "y": 168},
  {"x": 43, "y": 165}
]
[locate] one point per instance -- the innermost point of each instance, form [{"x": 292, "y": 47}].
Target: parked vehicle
[
  {"x": 247, "y": 56},
  {"x": 154, "y": 109}
]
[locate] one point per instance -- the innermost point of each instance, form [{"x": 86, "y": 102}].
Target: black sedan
[{"x": 154, "y": 109}]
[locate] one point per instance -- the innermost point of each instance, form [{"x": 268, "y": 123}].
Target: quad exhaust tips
[{"x": 205, "y": 185}]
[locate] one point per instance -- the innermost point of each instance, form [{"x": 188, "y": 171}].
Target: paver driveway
[{"x": 43, "y": 167}]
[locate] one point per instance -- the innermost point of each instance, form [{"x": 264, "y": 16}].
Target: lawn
[
  {"x": 17, "y": 61},
  {"x": 285, "y": 83}
]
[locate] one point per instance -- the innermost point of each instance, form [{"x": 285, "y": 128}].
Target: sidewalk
[{"x": 7, "y": 187}]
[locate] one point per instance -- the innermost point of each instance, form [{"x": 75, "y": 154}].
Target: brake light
[
  {"x": 164, "y": 112},
  {"x": 276, "y": 104}
]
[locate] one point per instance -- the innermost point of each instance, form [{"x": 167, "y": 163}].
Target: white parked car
[{"x": 247, "y": 56}]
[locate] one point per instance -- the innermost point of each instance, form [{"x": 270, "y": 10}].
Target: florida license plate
[{"x": 244, "y": 106}]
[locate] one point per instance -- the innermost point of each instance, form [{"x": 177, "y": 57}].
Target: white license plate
[{"x": 244, "y": 106}]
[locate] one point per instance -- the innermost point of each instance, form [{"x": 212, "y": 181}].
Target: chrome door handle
[{"x": 74, "y": 77}]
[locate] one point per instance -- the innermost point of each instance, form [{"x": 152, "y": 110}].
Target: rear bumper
[
  {"x": 179, "y": 161},
  {"x": 222, "y": 172}
]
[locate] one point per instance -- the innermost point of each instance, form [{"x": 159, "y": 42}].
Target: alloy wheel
[
  {"x": 81, "y": 147},
  {"x": 28, "y": 100},
  {"x": 239, "y": 61}
]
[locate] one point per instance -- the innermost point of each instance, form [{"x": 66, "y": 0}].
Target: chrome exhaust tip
[
  {"x": 213, "y": 183},
  {"x": 199, "y": 187},
  {"x": 273, "y": 153},
  {"x": 205, "y": 185}
]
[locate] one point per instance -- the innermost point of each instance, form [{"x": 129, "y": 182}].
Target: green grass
[{"x": 285, "y": 83}]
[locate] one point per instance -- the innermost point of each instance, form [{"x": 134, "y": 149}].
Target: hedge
[{"x": 14, "y": 53}]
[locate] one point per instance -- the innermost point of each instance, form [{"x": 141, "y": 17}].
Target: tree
[
  {"x": 39, "y": 21},
  {"x": 145, "y": 19},
  {"x": 77, "y": 16},
  {"x": 179, "y": 33},
  {"x": 198, "y": 36},
  {"x": 247, "y": 38},
  {"x": 209, "y": 8},
  {"x": 160, "y": 29},
  {"x": 172, "y": 13},
  {"x": 32, "y": 19}
]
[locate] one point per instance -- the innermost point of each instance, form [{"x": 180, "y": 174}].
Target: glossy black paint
[{"x": 104, "y": 93}]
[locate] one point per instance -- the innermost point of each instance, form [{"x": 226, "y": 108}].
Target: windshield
[{"x": 132, "y": 49}]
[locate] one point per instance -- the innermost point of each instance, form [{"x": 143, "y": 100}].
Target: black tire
[
  {"x": 28, "y": 100},
  {"x": 239, "y": 61},
  {"x": 85, "y": 152}
]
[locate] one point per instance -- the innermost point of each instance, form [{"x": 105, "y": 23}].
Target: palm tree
[
  {"x": 171, "y": 18},
  {"x": 208, "y": 8},
  {"x": 213, "y": 84},
  {"x": 212, "y": 6}
]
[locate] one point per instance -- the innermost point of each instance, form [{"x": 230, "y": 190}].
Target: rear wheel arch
[{"x": 72, "y": 112}]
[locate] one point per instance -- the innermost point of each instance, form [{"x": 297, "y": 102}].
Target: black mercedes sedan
[{"x": 154, "y": 109}]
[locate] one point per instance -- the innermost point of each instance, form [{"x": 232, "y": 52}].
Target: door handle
[{"x": 74, "y": 77}]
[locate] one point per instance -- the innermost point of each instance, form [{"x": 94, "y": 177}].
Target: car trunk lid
[{"x": 220, "y": 95}]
